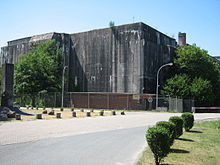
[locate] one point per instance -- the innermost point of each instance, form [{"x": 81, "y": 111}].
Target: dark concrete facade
[
  {"x": 120, "y": 59},
  {"x": 7, "y": 85}
]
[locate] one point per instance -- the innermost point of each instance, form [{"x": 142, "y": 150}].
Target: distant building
[
  {"x": 120, "y": 59},
  {"x": 216, "y": 59},
  {"x": 182, "y": 39}
]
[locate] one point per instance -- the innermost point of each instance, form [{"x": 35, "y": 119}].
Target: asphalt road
[
  {"x": 113, "y": 140},
  {"x": 102, "y": 148}
]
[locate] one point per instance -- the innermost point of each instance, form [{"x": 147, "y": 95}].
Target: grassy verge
[{"x": 200, "y": 146}]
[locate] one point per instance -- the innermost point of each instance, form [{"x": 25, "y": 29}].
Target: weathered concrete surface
[
  {"x": 122, "y": 59},
  {"x": 7, "y": 85}
]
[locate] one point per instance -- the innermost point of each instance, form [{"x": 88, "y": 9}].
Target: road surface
[{"x": 112, "y": 140}]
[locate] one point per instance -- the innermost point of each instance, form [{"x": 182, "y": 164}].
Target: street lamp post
[
  {"x": 168, "y": 64},
  {"x": 64, "y": 68}
]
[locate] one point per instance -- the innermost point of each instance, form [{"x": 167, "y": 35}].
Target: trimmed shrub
[
  {"x": 188, "y": 120},
  {"x": 171, "y": 128},
  {"x": 158, "y": 140},
  {"x": 178, "y": 121}
]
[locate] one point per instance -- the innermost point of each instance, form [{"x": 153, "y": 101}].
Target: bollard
[
  {"x": 74, "y": 114},
  {"x": 101, "y": 113},
  {"x": 51, "y": 112},
  {"x": 82, "y": 110},
  {"x": 72, "y": 109},
  {"x": 122, "y": 113},
  {"x": 61, "y": 109},
  {"x": 91, "y": 110},
  {"x": 39, "y": 116},
  {"x": 88, "y": 114},
  {"x": 58, "y": 115},
  {"x": 44, "y": 108},
  {"x": 18, "y": 117},
  {"x": 37, "y": 108},
  {"x": 44, "y": 112},
  {"x": 11, "y": 115},
  {"x": 113, "y": 113}
]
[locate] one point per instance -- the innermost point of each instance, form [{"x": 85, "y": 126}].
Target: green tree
[
  {"x": 39, "y": 70},
  {"x": 195, "y": 74},
  {"x": 111, "y": 24},
  {"x": 202, "y": 91},
  {"x": 196, "y": 62},
  {"x": 179, "y": 85}
]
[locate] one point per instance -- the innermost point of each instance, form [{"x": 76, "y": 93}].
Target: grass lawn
[{"x": 200, "y": 146}]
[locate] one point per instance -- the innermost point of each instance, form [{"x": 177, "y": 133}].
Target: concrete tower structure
[
  {"x": 182, "y": 39},
  {"x": 120, "y": 59}
]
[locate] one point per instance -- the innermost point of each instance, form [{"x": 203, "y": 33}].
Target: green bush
[
  {"x": 188, "y": 120},
  {"x": 158, "y": 140},
  {"x": 171, "y": 128},
  {"x": 178, "y": 121}
]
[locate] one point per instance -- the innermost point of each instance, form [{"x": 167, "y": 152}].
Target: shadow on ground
[
  {"x": 173, "y": 150},
  {"x": 184, "y": 139},
  {"x": 193, "y": 131}
]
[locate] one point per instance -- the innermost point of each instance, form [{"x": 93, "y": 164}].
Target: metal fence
[
  {"x": 110, "y": 101},
  {"x": 175, "y": 104}
]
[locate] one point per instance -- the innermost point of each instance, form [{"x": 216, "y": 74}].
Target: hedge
[
  {"x": 159, "y": 142},
  {"x": 178, "y": 121},
  {"x": 188, "y": 120}
]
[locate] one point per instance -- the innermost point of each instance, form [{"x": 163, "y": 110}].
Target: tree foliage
[
  {"x": 188, "y": 120},
  {"x": 39, "y": 70},
  {"x": 111, "y": 24},
  {"x": 196, "y": 62},
  {"x": 195, "y": 74},
  {"x": 177, "y": 86},
  {"x": 171, "y": 129},
  {"x": 158, "y": 140},
  {"x": 202, "y": 91},
  {"x": 178, "y": 121}
]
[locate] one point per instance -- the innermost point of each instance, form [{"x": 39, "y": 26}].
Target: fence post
[
  {"x": 169, "y": 103},
  {"x": 88, "y": 100},
  {"x": 127, "y": 101},
  {"x": 176, "y": 103},
  {"x": 70, "y": 100},
  {"x": 107, "y": 100}
]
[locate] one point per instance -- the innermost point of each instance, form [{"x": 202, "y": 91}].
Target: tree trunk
[{"x": 157, "y": 161}]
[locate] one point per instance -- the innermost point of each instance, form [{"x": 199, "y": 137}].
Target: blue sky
[{"x": 200, "y": 19}]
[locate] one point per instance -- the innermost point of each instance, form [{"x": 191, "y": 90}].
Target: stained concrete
[{"x": 121, "y": 59}]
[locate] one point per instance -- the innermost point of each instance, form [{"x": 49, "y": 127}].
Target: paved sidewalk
[{"x": 17, "y": 132}]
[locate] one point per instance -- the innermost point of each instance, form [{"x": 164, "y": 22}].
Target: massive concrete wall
[
  {"x": 12, "y": 53},
  {"x": 158, "y": 49},
  {"x": 15, "y": 48},
  {"x": 122, "y": 59},
  {"x": 109, "y": 59}
]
